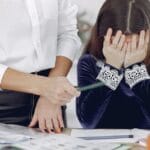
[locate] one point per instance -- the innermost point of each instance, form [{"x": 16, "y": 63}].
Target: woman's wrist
[{"x": 39, "y": 83}]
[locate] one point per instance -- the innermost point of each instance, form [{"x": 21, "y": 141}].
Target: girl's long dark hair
[{"x": 129, "y": 16}]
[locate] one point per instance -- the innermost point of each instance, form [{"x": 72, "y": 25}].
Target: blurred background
[{"x": 88, "y": 11}]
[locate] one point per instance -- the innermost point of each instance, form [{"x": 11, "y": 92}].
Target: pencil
[
  {"x": 107, "y": 137},
  {"x": 90, "y": 87}
]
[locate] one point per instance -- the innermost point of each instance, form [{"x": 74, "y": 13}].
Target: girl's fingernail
[
  {"x": 62, "y": 128},
  {"x": 52, "y": 130},
  {"x": 58, "y": 130}
]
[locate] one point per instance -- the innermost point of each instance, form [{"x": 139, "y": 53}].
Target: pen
[
  {"x": 107, "y": 137},
  {"x": 11, "y": 148}
]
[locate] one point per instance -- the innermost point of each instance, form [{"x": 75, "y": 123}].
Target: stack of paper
[
  {"x": 64, "y": 142},
  {"x": 8, "y": 138}
]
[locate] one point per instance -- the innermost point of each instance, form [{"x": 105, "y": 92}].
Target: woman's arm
[
  {"x": 18, "y": 81},
  {"x": 49, "y": 115},
  {"x": 47, "y": 87},
  {"x": 62, "y": 66},
  {"x": 22, "y": 82},
  {"x": 91, "y": 104}
]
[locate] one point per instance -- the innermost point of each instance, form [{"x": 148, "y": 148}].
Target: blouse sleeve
[
  {"x": 91, "y": 104},
  {"x": 3, "y": 69},
  {"x": 68, "y": 40},
  {"x": 138, "y": 79}
]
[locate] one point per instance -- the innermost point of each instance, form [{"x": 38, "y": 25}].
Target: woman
[
  {"x": 38, "y": 42},
  {"x": 118, "y": 55}
]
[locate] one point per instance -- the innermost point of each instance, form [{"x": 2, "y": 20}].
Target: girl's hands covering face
[
  {"x": 118, "y": 52},
  {"x": 137, "y": 49},
  {"x": 114, "y": 49}
]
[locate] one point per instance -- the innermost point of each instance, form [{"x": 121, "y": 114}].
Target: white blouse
[{"x": 34, "y": 32}]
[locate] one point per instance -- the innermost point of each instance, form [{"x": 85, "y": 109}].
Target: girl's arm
[
  {"x": 91, "y": 104},
  {"x": 138, "y": 79},
  {"x": 136, "y": 74}
]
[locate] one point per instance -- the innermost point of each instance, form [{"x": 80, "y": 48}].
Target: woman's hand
[
  {"x": 48, "y": 116},
  {"x": 114, "y": 49},
  {"x": 58, "y": 90},
  {"x": 137, "y": 49}
]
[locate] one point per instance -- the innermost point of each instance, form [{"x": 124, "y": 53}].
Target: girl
[{"x": 118, "y": 55}]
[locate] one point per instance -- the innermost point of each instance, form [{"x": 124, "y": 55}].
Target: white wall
[{"x": 92, "y": 6}]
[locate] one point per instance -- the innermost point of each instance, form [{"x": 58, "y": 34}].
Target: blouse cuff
[
  {"x": 3, "y": 68},
  {"x": 69, "y": 48},
  {"x": 136, "y": 74},
  {"x": 111, "y": 77}
]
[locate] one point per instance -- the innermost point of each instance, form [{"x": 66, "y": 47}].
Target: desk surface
[
  {"x": 13, "y": 129},
  {"x": 133, "y": 146}
]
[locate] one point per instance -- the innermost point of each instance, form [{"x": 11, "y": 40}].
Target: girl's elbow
[{"x": 85, "y": 121}]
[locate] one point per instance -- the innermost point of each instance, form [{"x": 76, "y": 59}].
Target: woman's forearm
[
  {"x": 62, "y": 67},
  {"x": 22, "y": 82},
  {"x": 29, "y": 83},
  {"x": 48, "y": 87}
]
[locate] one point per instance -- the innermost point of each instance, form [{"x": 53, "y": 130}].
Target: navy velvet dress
[{"x": 103, "y": 107}]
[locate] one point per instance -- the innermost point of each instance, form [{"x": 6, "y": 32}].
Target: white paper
[
  {"x": 141, "y": 136},
  {"x": 40, "y": 141},
  {"x": 64, "y": 142},
  {"x": 98, "y": 132},
  {"x": 10, "y": 134},
  {"x": 137, "y": 133},
  {"x": 8, "y": 138}
]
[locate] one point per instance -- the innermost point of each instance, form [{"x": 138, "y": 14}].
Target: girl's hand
[
  {"x": 48, "y": 116},
  {"x": 58, "y": 90},
  {"x": 137, "y": 50},
  {"x": 114, "y": 49}
]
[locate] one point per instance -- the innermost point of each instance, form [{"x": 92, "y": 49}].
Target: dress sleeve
[
  {"x": 91, "y": 104},
  {"x": 137, "y": 77}
]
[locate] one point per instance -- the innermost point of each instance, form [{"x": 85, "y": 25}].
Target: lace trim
[
  {"x": 110, "y": 77},
  {"x": 100, "y": 64},
  {"x": 135, "y": 75}
]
